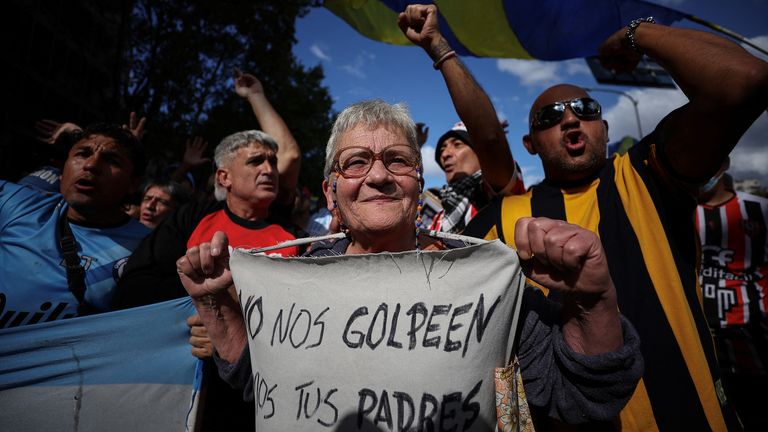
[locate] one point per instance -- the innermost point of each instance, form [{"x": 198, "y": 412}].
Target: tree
[{"x": 179, "y": 62}]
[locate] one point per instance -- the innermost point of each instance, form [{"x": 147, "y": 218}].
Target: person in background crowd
[
  {"x": 59, "y": 138},
  {"x": 193, "y": 158},
  {"x": 253, "y": 169},
  {"x": 321, "y": 222},
  {"x": 641, "y": 204},
  {"x": 160, "y": 198},
  {"x": 733, "y": 227},
  {"x": 62, "y": 255},
  {"x": 465, "y": 192}
]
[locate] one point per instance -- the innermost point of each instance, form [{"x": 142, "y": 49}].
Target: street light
[{"x": 621, "y": 93}]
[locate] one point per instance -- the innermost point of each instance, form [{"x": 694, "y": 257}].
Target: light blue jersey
[{"x": 33, "y": 279}]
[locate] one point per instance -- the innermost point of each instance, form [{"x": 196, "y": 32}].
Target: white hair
[
  {"x": 370, "y": 113},
  {"x": 226, "y": 149}
]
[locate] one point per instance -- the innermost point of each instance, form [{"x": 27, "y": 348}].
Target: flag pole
[{"x": 725, "y": 31}]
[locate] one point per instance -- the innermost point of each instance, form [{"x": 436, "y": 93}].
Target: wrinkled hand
[
  {"x": 204, "y": 270},
  {"x": 136, "y": 125},
  {"x": 193, "y": 154},
  {"x": 617, "y": 55},
  {"x": 422, "y": 133},
  {"x": 419, "y": 24},
  {"x": 202, "y": 347},
  {"x": 48, "y": 131},
  {"x": 563, "y": 256},
  {"x": 247, "y": 85}
]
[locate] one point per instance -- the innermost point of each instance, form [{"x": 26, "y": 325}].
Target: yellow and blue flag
[{"x": 541, "y": 29}]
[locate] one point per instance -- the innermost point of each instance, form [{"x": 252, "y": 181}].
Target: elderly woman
[{"x": 579, "y": 362}]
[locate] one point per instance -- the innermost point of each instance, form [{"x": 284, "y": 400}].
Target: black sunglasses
[{"x": 552, "y": 114}]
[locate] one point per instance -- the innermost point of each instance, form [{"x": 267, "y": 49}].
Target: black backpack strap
[{"x": 75, "y": 270}]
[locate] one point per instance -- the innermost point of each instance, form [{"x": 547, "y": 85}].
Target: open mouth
[
  {"x": 575, "y": 142},
  {"x": 85, "y": 184}
]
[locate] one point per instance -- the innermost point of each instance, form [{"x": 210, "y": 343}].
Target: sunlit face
[
  {"x": 572, "y": 149},
  {"x": 458, "y": 159},
  {"x": 250, "y": 176},
  {"x": 155, "y": 206},
  {"x": 379, "y": 203},
  {"x": 97, "y": 176}
]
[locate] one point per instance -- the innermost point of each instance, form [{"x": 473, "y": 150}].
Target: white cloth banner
[{"x": 392, "y": 341}]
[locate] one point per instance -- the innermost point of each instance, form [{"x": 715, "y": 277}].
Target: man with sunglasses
[{"x": 642, "y": 204}]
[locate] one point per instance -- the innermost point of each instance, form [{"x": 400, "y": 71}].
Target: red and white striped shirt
[{"x": 734, "y": 265}]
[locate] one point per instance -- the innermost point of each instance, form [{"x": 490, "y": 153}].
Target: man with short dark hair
[
  {"x": 641, "y": 204},
  {"x": 62, "y": 255},
  {"x": 160, "y": 199}
]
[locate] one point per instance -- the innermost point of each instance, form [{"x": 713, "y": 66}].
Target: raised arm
[
  {"x": 420, "y": 26},
  {"x": 570, "y": 259},
  {"x": 204, "y": 272},
  {"x": 726, "y": 86},
  {"x": 193, "y": 157},
  {"x": 249, "y": 87}
]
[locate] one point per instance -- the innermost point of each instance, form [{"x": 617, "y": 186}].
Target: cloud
[
  {"x": 530, "y": 72},
  {"x": 762, "y": 42},
  {"x": 577, "y": 66},
  {"x": 356, "y": 67},
  {"x": 749, "y": 159},
  {"x": 531, "y": 175},
  {"x": 318, "y": 52},
  {"x": 652, "y": 105},
  {"x": 536, "y": 73},
  {"x": 358, "y": 92},
  {"x": 431, "y": 168}
]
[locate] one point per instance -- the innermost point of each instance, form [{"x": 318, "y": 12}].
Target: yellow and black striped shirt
[{"x": 647, "y": 230}]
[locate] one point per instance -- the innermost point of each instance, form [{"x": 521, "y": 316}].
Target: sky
[{"x": 358, "y": 68}]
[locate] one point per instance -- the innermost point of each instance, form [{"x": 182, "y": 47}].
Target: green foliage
[{"x": 180, "y": 61}]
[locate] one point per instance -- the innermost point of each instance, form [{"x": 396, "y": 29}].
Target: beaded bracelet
[{"x": 633, "y": 25}]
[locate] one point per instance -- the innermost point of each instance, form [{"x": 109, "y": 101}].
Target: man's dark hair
[
  {"x": 123, "y": 137},
  {"x": 177, "y": 192}
]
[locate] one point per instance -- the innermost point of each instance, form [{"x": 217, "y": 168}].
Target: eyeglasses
[
  {"x": 356, "y": 161},
  {"x": 552, "y": 114}
]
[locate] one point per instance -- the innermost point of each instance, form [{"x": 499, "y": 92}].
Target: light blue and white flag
[{"x": 129, "y": 370}]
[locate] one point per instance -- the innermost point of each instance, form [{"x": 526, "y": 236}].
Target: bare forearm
[
  {"x": 288, "y": 153},
  {"x": 727, "y": 88},
  {"x": 475, "y": 109},
  {"x": 592, "y": 327},
  {"x": 706, "y": 67},
  {"x": 223, "y": 318}
]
